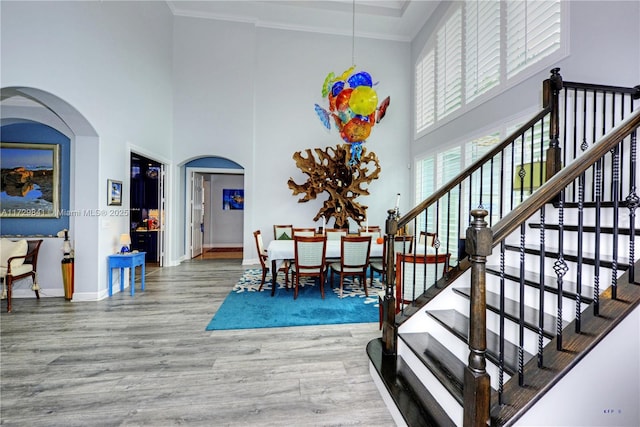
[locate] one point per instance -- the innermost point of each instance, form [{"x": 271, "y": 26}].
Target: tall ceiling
[{"x": 398, "y": 20}]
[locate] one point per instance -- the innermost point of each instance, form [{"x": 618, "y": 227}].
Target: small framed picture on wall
[
  {"x": 114, "y": 192},
  {"x": 233, "y": 199}
]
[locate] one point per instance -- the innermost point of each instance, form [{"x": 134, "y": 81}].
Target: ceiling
[{"x": 398, "y": 20}]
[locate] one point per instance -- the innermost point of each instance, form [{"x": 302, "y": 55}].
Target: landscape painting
[{"x": 30, "y": 186}]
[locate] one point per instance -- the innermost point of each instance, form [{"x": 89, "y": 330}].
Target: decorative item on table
[
  {"x": 352, "y": 106},
  {"x": 125, "y": 241},
  {"x": 67, "y": 265}
]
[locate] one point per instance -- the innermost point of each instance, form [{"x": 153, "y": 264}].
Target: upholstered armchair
[{"x": 18, "y": 260}]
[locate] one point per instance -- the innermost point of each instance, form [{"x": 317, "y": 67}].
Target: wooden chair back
[
  {"x": 262, "y": 252},
  {"x": 309, "y": 260},
  {"x": 372, "y": 231},
  {"x": 283, "y": 231},
  {"x": 335, "y": 233},
  {"x": 354, "y": 254},
  {"x": 416, "y": 273},
  {"x": 430, "y": 238},
  {"x": 304, "y": 231}
]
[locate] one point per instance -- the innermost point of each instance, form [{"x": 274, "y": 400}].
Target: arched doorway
[
  {"x": 31, "y": 104},
  {"x": 211, "y": 222}
]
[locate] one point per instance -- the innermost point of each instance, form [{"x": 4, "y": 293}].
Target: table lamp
[{"x": 125, "y": 241}]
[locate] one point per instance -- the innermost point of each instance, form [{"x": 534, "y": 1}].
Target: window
[
  {"x": 449, "y": 65},
  {"x": 425, "y": 186},
  {"x": 479, "y": 46},
  {"x": 432, "y": 174},
  {"x": 449, "y": 166},
  {"x": 482, "y": 194},
  {"x": 533, "y": 32},
  {"x": 482, "y": 47},
  {"x": 425, "y": 90}
]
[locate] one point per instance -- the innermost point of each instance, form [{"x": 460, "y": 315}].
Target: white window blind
[
  {"x": 485, "y": 183},
  {"x": 425, "y": 90},
  {"x": 482, "y": 47},
  {"x": 425, "y": 186},
  {"x": 449, "y": 166},
  {"x": 449, "y": 65},
  {"x": 478, "y": 47},
  {"x": 533, "y": 32}
]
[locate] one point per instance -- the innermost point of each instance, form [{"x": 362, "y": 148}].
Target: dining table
[{"x": 280, "y": 251}]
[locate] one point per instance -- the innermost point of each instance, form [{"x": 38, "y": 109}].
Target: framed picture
[
  {"x": 30, "y": 180},
  {"x": 233, "y": 199},
  {"x": 114, "y": 192}
]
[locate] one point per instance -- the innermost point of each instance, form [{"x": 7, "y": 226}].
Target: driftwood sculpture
[{"x": 329, "y": 171}]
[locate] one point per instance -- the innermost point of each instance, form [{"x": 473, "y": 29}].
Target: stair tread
[
  {"x": 418, "y": 408},
  {"x": 585, "y": 228},
  {"x": 458, "y": 324},
  {"x": 572, "y": 255},
  {"x": 512, "y": 310},
  {"x": 569, "y": 288},
  {"x": 441, "y": 362}
]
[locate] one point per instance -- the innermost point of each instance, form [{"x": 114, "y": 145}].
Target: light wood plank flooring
[{"x": 147, "y": 361}]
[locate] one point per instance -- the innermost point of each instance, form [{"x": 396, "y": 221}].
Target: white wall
[
  {"x": 225, "y": 227},
  {"x": 107, "y": 68},
  {"x": 248, "y": 95},
  {"x": 615, "y": 398}
]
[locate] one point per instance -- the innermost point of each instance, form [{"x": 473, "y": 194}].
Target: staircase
[{"x": 542, "y": 293}]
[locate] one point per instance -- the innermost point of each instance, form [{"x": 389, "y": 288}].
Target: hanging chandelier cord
[{"x": 353, "y": 34}]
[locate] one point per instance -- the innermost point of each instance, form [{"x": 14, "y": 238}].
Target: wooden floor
[{"x": 147, "y": 361}]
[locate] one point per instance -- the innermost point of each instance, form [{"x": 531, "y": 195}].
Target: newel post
[
  {"x": 477, "y": 385},
  {"x": 551, "y": 94},
  {"x": 389, "y": 332}
]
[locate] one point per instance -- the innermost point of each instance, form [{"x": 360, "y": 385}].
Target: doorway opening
[
  {"x": 147, "y": 207},
  {"x": 214, "y": 214}
]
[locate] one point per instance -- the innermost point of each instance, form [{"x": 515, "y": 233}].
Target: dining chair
[
  {"x": 401, "y": 245},
  {"x": 283, "y": 232},
  {"x": 335, "y": 233},
  {"x": 419, "y": 271},
  {"x": 262, "y": 256},
  {"x": 304, "y": 231},
  {"x": 354, "y": 260},
  {"x": 429, "y": 237},
  {"x": 373, "y": 232},
  {"x": 309, "y": 260}
]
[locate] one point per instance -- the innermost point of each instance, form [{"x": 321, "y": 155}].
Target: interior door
[
  {"x": 161, "y": 215},
  {"x": 197, "y": 213}
]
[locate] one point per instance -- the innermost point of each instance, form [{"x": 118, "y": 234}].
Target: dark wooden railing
[{"x": 590, "y": 159}]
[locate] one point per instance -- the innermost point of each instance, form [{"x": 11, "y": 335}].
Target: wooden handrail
[
  {"x": 564, "y": 178},
  {"x": 442, "y": 191}
]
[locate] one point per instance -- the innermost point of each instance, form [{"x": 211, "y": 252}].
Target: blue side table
[{"x": 122, "y": 261}]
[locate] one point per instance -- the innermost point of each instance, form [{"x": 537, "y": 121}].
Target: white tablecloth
[{"x": 280, "y": 250}]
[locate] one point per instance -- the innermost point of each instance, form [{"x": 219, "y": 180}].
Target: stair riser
[
  {"x": 458, "y": 347},
  {"x": 444, "y": 398},
  {"x": 512, "y": 334}
]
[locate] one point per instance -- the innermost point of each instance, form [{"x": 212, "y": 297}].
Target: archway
[
  {"x": 220, "y": 225},
  {"x": 36, "y": 105}
]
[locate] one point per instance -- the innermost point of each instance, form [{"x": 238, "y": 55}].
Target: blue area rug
[{"x": 246, "y": 308}]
